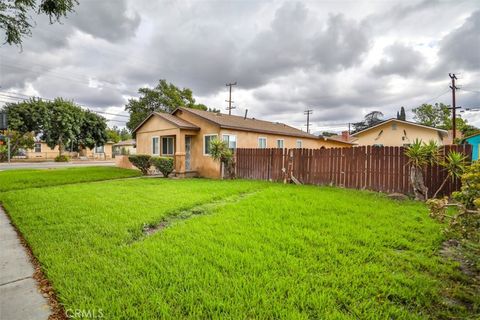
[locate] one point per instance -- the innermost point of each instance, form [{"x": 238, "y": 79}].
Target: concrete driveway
[{"x": 50, "y": 165}]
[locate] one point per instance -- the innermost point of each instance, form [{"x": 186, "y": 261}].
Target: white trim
[
  {"x": 401, "y": 121},
  {"x": 203, "y": 144},
  {"x": 296, "y": 144},
  {"x": 259, "y": 142},
  {"x": 230, "y": 135},
  {"x": 283, "y": 143},
  {"x": 161, "y": 146},
  {"x": 153, "y": 153}
]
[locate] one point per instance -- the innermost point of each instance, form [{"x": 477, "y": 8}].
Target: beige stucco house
[
  {"x": 394, "y": 132},
  {"x": 125, "y": 147},
  {"x": 43, "y": 152},
  {"x": 185, "y": 134}
]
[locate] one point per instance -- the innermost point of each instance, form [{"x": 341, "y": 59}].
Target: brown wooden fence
[{"x": 384, "y": 169}]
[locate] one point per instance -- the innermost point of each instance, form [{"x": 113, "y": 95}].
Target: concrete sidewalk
[
  {"x": 20, "y": 297},
  {"x": 52, "y": 165}
]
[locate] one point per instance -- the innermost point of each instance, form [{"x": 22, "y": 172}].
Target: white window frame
[
  {"x": 173, "y": 146},
  {"x": 283, "y": 143},
  {"x": 35, "y": 147},
  {"x": 230, "y": 135},
  {"x": 259, "y": 138},
  {"x": 208, "y": 135},
  {"x": 158, "y": 145},
  {"x": 297, "y": 142}
]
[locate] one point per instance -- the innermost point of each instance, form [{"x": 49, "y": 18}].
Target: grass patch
[
  {"x": 284, "y": 251},
  {"x": 22, "y": 179}
]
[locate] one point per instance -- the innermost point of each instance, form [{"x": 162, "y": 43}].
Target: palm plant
[
  {"x": 420, "y": 155},
  {"x": 219, "y": 151},
  {"x": 454, "y": 164}
]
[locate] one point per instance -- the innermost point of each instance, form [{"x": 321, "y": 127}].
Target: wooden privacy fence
[{"x": 384, "y": 169}]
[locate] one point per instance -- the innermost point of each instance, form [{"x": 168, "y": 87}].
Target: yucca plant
[
  {"x": 219, "y": 151},
  {"x": 420, "y": 155},
  {"x": 454, "y": 164}
]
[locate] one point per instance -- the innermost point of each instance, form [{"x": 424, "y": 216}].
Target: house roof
[
  {"x": 337, "y": 139},
  {"x": 130, "y": 142},
  {"x": 176, "y": 121},
  {"x": 445, "y": 132},
  {"x": 471, "y": 136},
  {"x": 247, "y": 124}
]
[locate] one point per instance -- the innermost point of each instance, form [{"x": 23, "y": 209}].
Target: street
[{"x": 50, "y": 165}]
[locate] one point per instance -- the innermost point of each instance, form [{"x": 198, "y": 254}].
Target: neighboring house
[
  {"x": 474, "y": 140},
  {"x": 394, "y": 132},
  {"x": 43, "y": 152},
  {"x": 125, "y": 147},
  {"x": 185, "y": 134}
]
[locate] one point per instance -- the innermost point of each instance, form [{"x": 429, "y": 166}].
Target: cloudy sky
[{"x": 340, "y": 58}]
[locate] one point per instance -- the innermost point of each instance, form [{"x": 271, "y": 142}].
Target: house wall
[
  {"x": 475, "y": 142},
  {"x": 397, "y": 137},
  {"x": 49, "y": 154},
  {"x": 128, "y": 148}
]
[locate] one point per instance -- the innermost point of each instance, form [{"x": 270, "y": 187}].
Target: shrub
[
  {"x": 219, "y": 151},
  {"x": 469, "y": 195},
  {"x": 62, "y": 158},
  {"x": 163, "y": 164},
  {"x": 142, "y": 162}
]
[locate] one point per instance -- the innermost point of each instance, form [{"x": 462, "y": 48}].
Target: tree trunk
[
  {"x": 441, "y": 186},
  {"x": 416, "y": 179}
]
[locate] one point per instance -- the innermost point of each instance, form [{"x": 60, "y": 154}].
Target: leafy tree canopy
[
  {"x": 58, "y": 122},
  {"x": 370, "y": 119},
  {"x": 165, "y": 97},
  {"x": 116, "y": 134},
  {"x": 15, "y": 16},
  {"x": 439, "y": 115}
]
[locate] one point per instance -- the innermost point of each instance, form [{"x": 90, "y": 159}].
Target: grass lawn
[
  {"x": 248, "y": 250},
  {"x": 21, "y": 179}
]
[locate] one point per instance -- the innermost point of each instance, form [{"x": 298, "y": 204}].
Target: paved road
[
  {"x": 49, "y": 165},
  {"x": 20, "y": 297}
]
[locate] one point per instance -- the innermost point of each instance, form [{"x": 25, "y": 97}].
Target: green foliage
[
  {"x": 265, "y": 250},
  {"x": 163, "y": 164},
  {"x": 165, "y": 97},
  {"x": 62, "y": 158},
  {"x": 401, "y": 115},
  {"x": 421, "y": 154},
  {"x": 116, "y": 134},
  {"x": 370, "y": 119},
  {"x": 18, "y": 141},
  {"x": 113, "y": 135},
  {"x": 219, "y": 151},
  {"x": 15, "y": 16},
  {"x": 142, "y": 162},
  {"x": 59, "y": 122},
  {"x": 469, "y": 194}
]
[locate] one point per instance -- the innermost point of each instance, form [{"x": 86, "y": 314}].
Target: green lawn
[
  {"x": 248, "y": 250},
  {"x": 22, "y": 179}
]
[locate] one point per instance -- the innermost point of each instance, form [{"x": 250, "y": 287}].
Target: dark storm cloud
[
  {"x": 398, "y": 59},
  {"x": 460, "y": 49},
  {"x": 105, "y": 19}
]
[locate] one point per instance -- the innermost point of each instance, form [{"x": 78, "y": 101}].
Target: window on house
[
  {"x": 167, "y": 146},
  {"x": 155, "y": 146},
  {"x": 280, "y": 143},
  {"x": 298, "y": 144},
  {"x": 231, "y": 140},
  {"x": 38, "y": 147},
  {"x": 206, "y": 143},
  {"x": 99, "y": 149},
  {"x": 262, "y": 142}
]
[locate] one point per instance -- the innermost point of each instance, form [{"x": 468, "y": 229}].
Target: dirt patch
[{"x": 174, "y": 217}]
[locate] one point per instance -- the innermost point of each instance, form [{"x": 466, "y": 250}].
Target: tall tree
[
  {"x": 402, "y": 115},
  {"x": 16, "y": 21},
  {"x": 93, "y": 131},
  {"x": 370, "y": 119},
  {"x": 436, "y": 115},
  {"x": 165, "y": 97}
]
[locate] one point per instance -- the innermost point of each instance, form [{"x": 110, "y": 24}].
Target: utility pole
[
  {"x": 308, "y": 113},
  {"x": 229, "y": 108},
  {"x": 454, "y": 107}
]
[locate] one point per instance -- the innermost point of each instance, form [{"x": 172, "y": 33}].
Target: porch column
[{"x": 180, "y": 152}]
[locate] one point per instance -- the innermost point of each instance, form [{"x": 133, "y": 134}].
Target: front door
[{"x": 188, "y": 153}]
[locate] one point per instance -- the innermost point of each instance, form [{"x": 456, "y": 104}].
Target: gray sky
[{"x": 340, "y": 58}]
